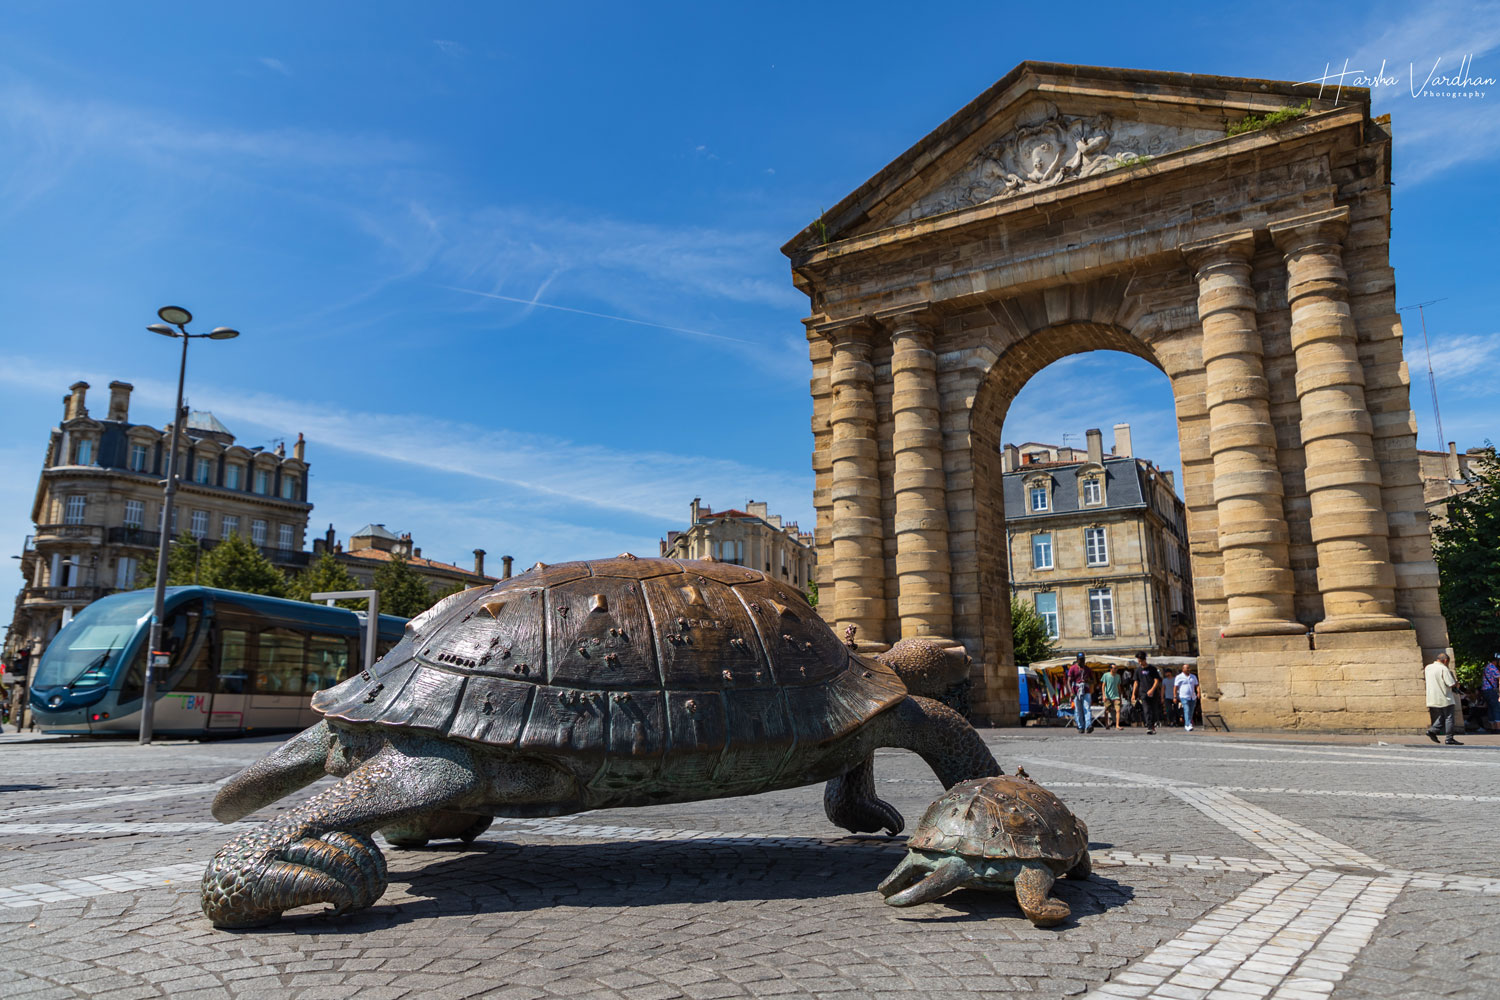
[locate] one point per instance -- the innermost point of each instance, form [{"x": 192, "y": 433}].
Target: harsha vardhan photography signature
[{"x": 1436, "y": 83}]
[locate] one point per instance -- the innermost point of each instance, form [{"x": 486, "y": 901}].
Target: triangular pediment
[{"x": 1045, "y": 125}]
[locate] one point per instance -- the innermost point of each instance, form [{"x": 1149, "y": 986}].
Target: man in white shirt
[
  {"x": 1440, "y": 701},
  {"x": 1185, "y": 693}
]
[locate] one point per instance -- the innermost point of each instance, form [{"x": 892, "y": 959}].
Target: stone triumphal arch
[{"x": 1074, "y": 208}]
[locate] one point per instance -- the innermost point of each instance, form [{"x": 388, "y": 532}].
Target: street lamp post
[{"x": 155, "y": 655}]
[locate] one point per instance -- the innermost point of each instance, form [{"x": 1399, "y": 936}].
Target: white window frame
[
  {"x": 1093, "y": 492},
  {"x": 258, "y": 533},
  {"x": 1037, "y": 497},
  {"x": 1041, "y": 545},
  {"x": 1052, "y": 619},
  {"x": 204, "y": 473},
  {"x": 198, "y": 524},
  {"x": 262, "y": 481},
  {"x": 232, "y": 475},
  {"x": 284, "y": 537},
  {"x": 229, "y": 524},
  {"x": 1096, "y": 546},
  {"x": 75, "y": 508},
  {"x": 135, "y": 513},
  {"x": 85, "y": 452},
  {"x": 125, "y": 571},
  {"x": 138, "y": 457},
  {"x": 1101, "y": 611}
]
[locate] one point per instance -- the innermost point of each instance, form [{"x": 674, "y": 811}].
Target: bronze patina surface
[
  {"x": 993, "y": 833},
  {"x": 586, "y": 685}
]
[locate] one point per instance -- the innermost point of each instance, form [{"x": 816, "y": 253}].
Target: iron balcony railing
[
  {"x": 66, "y": 595},
  {"x": 131, "y": 535}
]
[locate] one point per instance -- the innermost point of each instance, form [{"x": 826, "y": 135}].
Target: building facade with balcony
[
  {"x": 751, "y": 537},
  {"x": 1098, "y": 544},
  {"x": 97, "y": 508}
]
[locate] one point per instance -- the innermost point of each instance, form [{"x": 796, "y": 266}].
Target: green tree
[
  {"x": 1467, "y": 549},
  {"x": 402, "y": 591},
  {"x": 812, "y": 592},
  {"x": 184, "y": 564},
  {"x": 1028, "y": 632},
  {"x": 235, "y": 564},
  {"x": 325, "y": 575}
]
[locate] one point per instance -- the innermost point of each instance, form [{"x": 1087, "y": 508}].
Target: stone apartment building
[
  {"x": 751, "y": 537},
  {"x": 374, "y": 545},
  {"x": 1445, "y": 474},
  {"x": 1098, "y": 543},
  {"x": 97, "y": 509}
]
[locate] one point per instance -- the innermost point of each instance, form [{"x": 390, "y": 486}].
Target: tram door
[
  {"x": 277, "y": 697},
  {"x": 231, "y": 692}
]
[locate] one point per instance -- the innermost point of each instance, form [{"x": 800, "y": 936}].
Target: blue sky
[{"x": 420, "y": 218}]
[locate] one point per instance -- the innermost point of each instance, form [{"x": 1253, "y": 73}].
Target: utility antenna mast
[{"x": 1431, "y": 379}]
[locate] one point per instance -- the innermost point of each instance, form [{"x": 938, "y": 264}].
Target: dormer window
[
  {"x": 85, "y": 453},
  {"x": 1093, "y": 492},
  {"x": 138, "y": 457},
  {"x": 204, "y": 473},
  {"x": 1038, "y": 497},
  {"x": 232, "y": 476}
]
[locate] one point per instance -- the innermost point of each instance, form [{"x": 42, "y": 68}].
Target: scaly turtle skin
[
  {"x": 587, "y": 685},
  {"x": 994, "y": 833}
]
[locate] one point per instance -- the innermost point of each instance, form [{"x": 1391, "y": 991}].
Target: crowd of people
[{"x": 1139, "y": 695}]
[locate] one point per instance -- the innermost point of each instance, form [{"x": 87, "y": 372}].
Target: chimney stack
[
  {"x": 1096, "y": 445},
  {"x": 505, "y": 562},
  {"x": 1011, "y": 458},
  {"x": 119, "y": 401},
  {"x": 1455, "y": 471},
  {"x": 299, "y": 450},
  {"x": 73, "y": 401},
  {"x": 479, "y": 562},
  {"x": 693, "y": 507},
  {"x": 1123, "y": 447}
]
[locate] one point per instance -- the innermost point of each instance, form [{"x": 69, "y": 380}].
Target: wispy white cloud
[
  {"x": 451, "y": 49},
  {"x": 275, "y": 65},
  {"x": 1433, "y": 134},
  {"x": 1461, "y": 357},
  {"x": 644, "y": 484}
]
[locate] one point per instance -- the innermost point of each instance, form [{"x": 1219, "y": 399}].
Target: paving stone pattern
[{"x": 1222, "y": 870}]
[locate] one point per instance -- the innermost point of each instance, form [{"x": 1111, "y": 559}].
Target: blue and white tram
[{"x": 239, "y": 662}]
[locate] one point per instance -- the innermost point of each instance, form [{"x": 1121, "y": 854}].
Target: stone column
[
  {"x": 1349, "y": 524},
  {"x": 858, "y": 545},
  {"x": 1247, "y": 489},
  {"x": 925, "y": 598}
]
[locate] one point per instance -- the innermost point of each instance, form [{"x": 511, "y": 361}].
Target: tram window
[
  {"x": 234, "y": 661},
  {"x": 279, "y": 661},
  {"x": 190, "y": 664},
  {"x": 327, "y": 661}
]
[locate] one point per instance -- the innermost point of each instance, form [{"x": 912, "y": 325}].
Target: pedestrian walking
[
  {"x": 1185, "y": 693},
  {"x": 1111, "y": 690},
  {"x": 1148, "y": 692},
  {"x": 1440, "y": 700},
  {"x": 1079, "y": 681},
  {"x": 1489, "y": 689}
]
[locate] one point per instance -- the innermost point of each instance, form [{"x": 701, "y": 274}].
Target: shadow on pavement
[{"x": 490, "y": 877}]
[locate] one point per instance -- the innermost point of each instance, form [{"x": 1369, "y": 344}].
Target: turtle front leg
[
  {"x": 1033, "y": 884},
  {"x": 850, "y": 802},
  {"x": 321, "y": 851}
]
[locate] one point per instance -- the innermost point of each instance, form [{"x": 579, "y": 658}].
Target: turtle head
[{"x": 925, "y": 667}]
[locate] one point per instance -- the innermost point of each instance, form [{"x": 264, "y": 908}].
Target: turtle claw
[{"x": 252, "y": 881}]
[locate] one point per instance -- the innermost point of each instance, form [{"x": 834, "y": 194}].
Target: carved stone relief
[{"x": 1047, "y": 148}]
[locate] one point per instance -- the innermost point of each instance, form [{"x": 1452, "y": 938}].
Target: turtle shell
[
  {"x": 716, "y": 665},
  {"x": 1001, "y": 817}
]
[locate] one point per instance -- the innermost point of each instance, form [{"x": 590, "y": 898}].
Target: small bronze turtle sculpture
[
  {"x": 994, "y": 833},
  {"x": 577, "y": 686}
]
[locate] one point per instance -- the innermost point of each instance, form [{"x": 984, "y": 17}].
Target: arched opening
[
  {"x": 1096, "y": 529},
  {"x": 1118, "y": 567}
]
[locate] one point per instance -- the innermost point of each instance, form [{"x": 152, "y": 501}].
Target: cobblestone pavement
[{"x": 1231, "y": 869}]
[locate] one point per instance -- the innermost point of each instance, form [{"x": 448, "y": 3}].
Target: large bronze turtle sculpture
[
  {"x": 585, "y": 685},
  {"x": 994, "y": 833}
]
